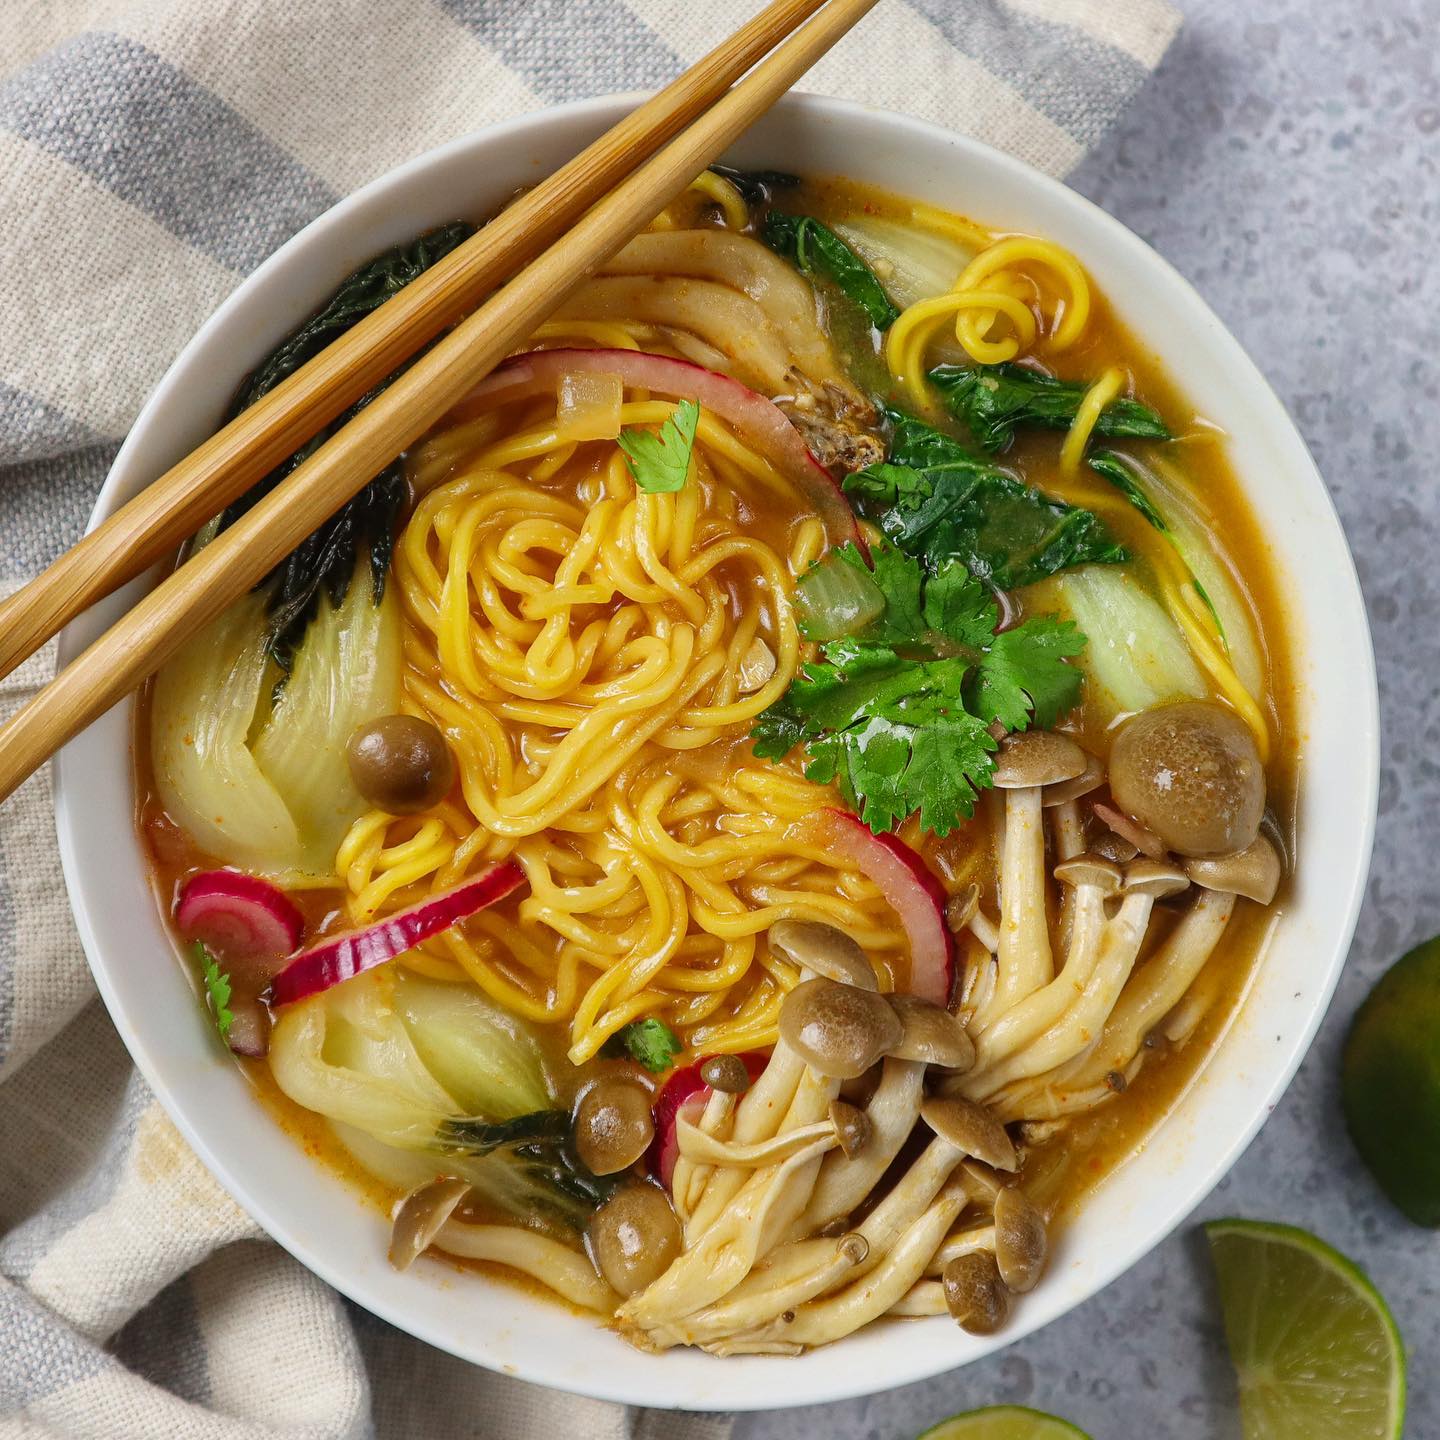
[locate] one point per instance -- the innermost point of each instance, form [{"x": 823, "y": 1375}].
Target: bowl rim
[{"x": 69, "y": 801}]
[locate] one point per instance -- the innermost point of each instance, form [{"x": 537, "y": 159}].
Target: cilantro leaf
[
  {"x": 815, "y": 249},
  {"x": 898, "y": 716},
  {"x": 650, "y": 1041},
  {"x": 1024, "y": 673},
  {"x": 660, "y": 463},
  {"x": 936, "y": 501},
  {"x": 217, "y": 987},
  {"x": 993, "y": 401}
]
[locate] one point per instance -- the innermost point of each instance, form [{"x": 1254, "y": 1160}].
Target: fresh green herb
[
  {"x": 936, "y": 501},
  {"x": 898, "y": 716},
  {"x": 756, "y": 187},
  {"x": 818, "y": 251},
  {"x": 540, "y": 1148},
  {"x": 217, "y": 987},
  {"x": 1109, "y": 466},
  {"x": 996, "y": 400},
  {"x": 660, "y": 463},
  {"x": 650, "y": 1041},
  {"x": 325, "y": 561}
]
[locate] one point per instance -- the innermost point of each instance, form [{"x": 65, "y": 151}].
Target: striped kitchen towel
[{"x": 151, "y": 153}]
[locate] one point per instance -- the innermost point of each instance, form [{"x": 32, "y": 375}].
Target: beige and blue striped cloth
[{"x": 152, "y": 152}]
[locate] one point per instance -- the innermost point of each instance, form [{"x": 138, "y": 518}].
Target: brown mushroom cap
[
  {"x": 1155, "y": 877},
  {"x": 852, "y": 1127},
  {"x": 1254, "y": 872},
  {"x": 1037, "y": 757},
  {"x": 829, "y": 952},
  {"x": 1110, "y": 845},
  {"x": 420, "y": 1217},
  {"x": 975, "y": 1295},
  {"x": 932, "y": 1034},
  {"x": 838, "y": 1030},
  {"x": 971, "y": 1128},
  {"x": 1092, "y": 777},
  {"x": 1090, "y": 869},
  {"x": 633, "y": 1237},
  {"x": 1021, "y": 1243},
  {"x": 1191, "y": 773},
  {"x": 961, "y": 908},
  {"x": 613, "y": 1125},
  {"x": 726, "y": 1073}
]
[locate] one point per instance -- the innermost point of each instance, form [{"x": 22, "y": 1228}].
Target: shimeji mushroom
[
  {"x": 830, "y": 1030},
  {"x": 1026, "y": 763}
]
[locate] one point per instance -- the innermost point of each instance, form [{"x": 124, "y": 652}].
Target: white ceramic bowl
[{"x": 324, "y": 1224}]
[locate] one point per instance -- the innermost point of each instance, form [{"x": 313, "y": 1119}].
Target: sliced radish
[
  {"x": 914, "y": 893},
  {"x": 685, "y": 1093},
  {"x": 339, "y": 957},
  {"x": 755, "y": 419},
  {"x": 237, "y": 917}
]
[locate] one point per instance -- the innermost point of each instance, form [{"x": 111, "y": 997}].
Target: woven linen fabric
[{"x": 152, "y": 152}]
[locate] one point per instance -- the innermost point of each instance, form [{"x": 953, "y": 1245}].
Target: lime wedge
[
  {"x": 1390, "y": 1083},
  {"x": 1315, "y": 1347},
  {"x": 1003, "y": 1422}
]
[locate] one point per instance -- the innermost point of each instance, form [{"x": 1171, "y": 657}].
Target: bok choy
[
  {"x": 257, "y": 773},
  {"x": 453, "y": 1084}
]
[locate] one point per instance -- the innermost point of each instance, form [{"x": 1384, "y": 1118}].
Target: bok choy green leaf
[
  {"x": 937, "y": 502},
  {"x": 817, "y": 251},
  {"x": 993, "y": 401}
]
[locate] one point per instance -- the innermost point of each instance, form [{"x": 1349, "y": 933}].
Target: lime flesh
[
  {"x": 1390, "y": 1083},
  {"x": 1003, "y": 1422},
  {"x": 1316, "y": 1350}
]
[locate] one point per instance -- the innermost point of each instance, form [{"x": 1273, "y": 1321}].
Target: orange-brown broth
[{"x": 1093, "y": 1145}]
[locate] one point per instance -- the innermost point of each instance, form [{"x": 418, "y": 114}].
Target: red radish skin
[
  {"x": 752, "y": 416},
  {"x": 341, "y": 957},
  {"x": 685, "y": 1092},
  {"x": 239, "y": 918},
  {"x": 906, "y": 882}
]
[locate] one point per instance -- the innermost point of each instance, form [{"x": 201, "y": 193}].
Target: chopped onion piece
[
  {"x": 834, "y": 599},
  {"x": 588, "y": 405}
]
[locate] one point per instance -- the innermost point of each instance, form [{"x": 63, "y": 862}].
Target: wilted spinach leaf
[{"x": 817, "y": 250}]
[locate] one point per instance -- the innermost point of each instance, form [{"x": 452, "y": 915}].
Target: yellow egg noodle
[{"x": 654, "y": 871}]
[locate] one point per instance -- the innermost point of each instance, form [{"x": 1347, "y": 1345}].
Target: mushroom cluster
[{"x": 788, "y": 1223}]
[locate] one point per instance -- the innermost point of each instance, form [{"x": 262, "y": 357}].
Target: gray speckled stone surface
[{"x": 1286, "y": 157}]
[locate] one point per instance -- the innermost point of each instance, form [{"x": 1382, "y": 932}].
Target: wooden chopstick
[
  {"x": 158, "y": 520},
  {"x": 136, "y": 646}
]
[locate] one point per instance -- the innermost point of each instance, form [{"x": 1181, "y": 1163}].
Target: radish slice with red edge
[
  {"x": 685, "y": 1093},
  {"x": 340, "y": 957},
  {"x": 906, "y": 882},
  {"x": 758, "y": 421},
  {"x": 239, "y": 918}
]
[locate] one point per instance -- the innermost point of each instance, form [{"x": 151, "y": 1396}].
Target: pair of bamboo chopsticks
[{"x": 583, "y": 213}]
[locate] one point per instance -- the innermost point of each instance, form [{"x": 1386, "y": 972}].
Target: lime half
[
  {"x": 1003, "y": 1422},
  {"x": 1315, "y": 1347},
  {"x": 1390, "y": 1083}
]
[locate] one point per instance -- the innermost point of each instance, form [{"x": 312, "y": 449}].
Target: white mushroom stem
[
  {"x": 962, "y": 1242},
  {"x": 565, "y": 1271},
  {"x": 875, "y": 1292},
  {"x": 1019, "y": 1026},
  {"x": 785, "y": 1278},
  {"x": 844, "y": 1183},
  {"x": 1023, "y": 949},
  {"x": 1069, "y": 835},
  {"x": 759, "y": 1115},
  {"x": 807, "y": 1268},
  {"x": 1079, "y": 1025},
  {"x": 695, "y": 1144},
  {"x": 1155, "y": 992},
  {"x": 923, "y": 1298},
  {"x": 688, "y": 1181},
  {"x": 728, "y": 1249},
  {"x": 985, "y": 930}
]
